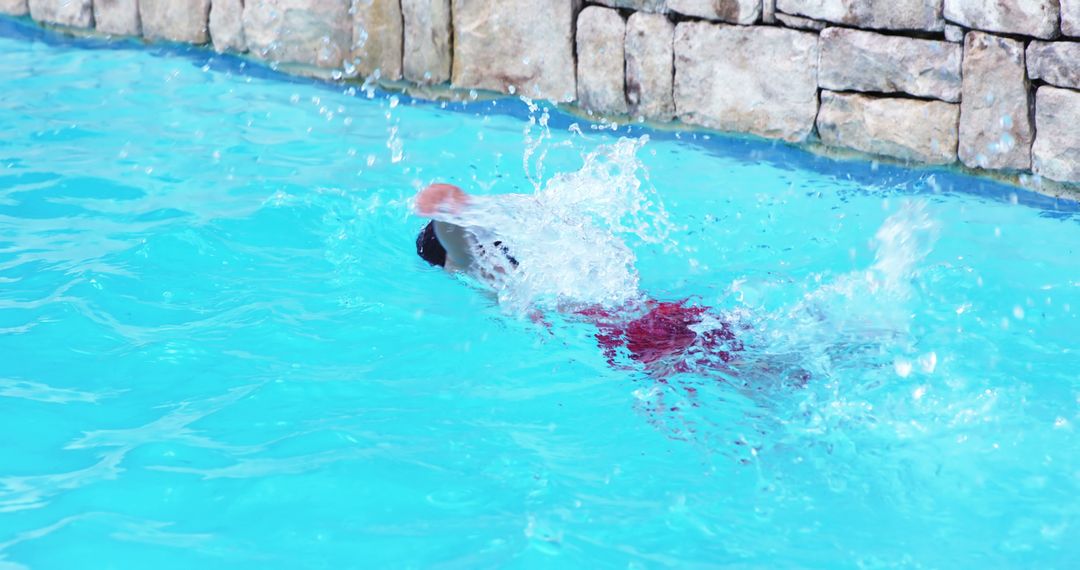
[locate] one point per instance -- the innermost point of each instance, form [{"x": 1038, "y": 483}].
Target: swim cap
[{"x": 429, "y": 248}]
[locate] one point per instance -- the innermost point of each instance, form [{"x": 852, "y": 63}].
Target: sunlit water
[{"x": 218, "y": 348}]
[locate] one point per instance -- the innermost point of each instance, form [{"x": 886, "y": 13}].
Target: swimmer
[{"x": 665, "y": 337}]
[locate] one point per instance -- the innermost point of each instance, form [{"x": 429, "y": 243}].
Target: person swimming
[{"x": 669, "y": 336}]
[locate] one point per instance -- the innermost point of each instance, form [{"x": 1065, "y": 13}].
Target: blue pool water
[{"x": 218, "y": 348}]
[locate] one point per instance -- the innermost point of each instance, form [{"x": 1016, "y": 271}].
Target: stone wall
[{"x": 993, "y": 85}]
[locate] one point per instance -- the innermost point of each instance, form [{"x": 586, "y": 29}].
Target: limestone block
[
  {"x": 908, "y": 129},
  {"x": 768, "y": 11},
  {"x": 427, "y": 40},
  {"x": 307, "y": 32},
  {"x": 1037, "y": 18},
  {"x": 120, "y": 17},
  {"x": 377, "y": 38},
  {"x": 800, "y": 23},
  {"x": 650, "y": 66},
  {"x": 503, "y": 45},
  {"x": 1057, "y": 63},
  {"x": 854, "y": 60},
  {"x": 760, "y": 80},
  {"x": 655, "y": 6},
  {"x": 1070, "y": 18},
  {"x": 877, "y": 14},
  {"x": 14, "y": 7},
  {"x": 227, "y": 25},
  {"x": 71, "y": 13},
  {"x": 734, "y": 11},
  {"x": 1056, "y": 154},
  {"x": 175, "y": 20},
  {"x": 601, "y": 34},
  {"x": 995, "y": 115},
  {"x": 954, "y": 33}
]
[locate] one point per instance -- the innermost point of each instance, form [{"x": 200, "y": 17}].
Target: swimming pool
[{"x": 219, "y": 349}]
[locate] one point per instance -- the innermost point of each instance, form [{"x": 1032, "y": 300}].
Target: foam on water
[{"x": 569, "y": 236}]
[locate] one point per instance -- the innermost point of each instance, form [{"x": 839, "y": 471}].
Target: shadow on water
[{"x": 784, "y": 156}]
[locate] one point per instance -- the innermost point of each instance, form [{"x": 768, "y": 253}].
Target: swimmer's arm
[
  {"x": 441, "y": 201},
  {"x": 455, "y": 240}
]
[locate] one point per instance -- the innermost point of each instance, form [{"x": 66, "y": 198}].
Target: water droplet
[{"x": 903, "y": 367}]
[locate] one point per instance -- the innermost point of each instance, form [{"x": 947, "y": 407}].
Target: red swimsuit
[{"x": 663, "y": 332}]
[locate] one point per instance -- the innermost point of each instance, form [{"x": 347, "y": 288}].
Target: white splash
[
  {"x": 866, "y": 308},
  {"x": 568, "y": 236}
]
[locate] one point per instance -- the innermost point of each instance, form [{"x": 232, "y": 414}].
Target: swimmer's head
[{"x": 429, "y": 248}]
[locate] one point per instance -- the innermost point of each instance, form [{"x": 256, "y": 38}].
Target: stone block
[
  {"x": 954, "y": 33},
  {"x": 227, "y": 25},
  {"x": 995, "y": 115},
  {"x": 800, "y": 23},
  {"x": 1056, "y": 154},
  {"x": 427, "y": 40},
  {"x": 1038, "y": 18},
  {"x": 601, "y": 77},
  {"x": 908, "y": 129},
  {"x": 503, "y": 45},
  {"x": 14, "y": 7},
  {"x": 768, "y": 11},
  {"x": 1070, "y": 18},
  {"x": 119, "y": 17},
  {"x": 734, "y": 11},
  {"x": 1057, "y": 63},
  {"x": 876, "y": 14},
  {"x": 175, "y": 20},
  {"x": 377, "y": 38},
  {"x": 854, "y": 60},
  {"x": 307, "y": 32},
  {"x": 653, "y": 6},
  {"x": 759, "y": 80},
  {"x": 650, "y": 66},
  {"x": 70, "y": 13}
]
